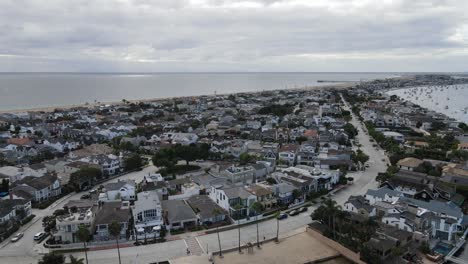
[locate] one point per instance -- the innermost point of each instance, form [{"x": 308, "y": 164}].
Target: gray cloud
[{"x": 233, "y": 35}]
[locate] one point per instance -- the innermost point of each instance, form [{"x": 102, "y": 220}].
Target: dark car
[
  {"x": 303, "y": 209},
  {"x": 85, "y": 197},
  {"x": 282, "y": 216}
]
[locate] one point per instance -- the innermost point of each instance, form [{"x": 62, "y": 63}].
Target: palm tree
[
  {"x": 331, "y": 208},
  {"x": 114, "y": 230},
  {"x": 83, "y": 235},
  {"x": 217, "y": 212},
  {"x": 277, "y": 215},
  {"x": 257, "y": 208},
  {"x": 238, "y": 208},
  {"x": 52, "y": 258},
  {"x": 74, "y": 260}
]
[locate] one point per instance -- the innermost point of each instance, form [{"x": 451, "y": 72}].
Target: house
[
  {"x": 447, "y": 217},
  {"x": 398, "y": 137},
  {"x": 208, "y": 212},
  {"x": 307, "y": 155},
  {"x": 287, "y": 154},
  {"x": 235, "y": 200},
  {"x": 264, "y": 195},
  {"x": 109, "y": 212},
  {"x": 67, "y": 225},
  {"x": 147, "y": 214},
  {"x": 409, "y": 163},
  {"x": 111, "y": 164},
  {"x": 463, "y": 146},
  {"x": 283, "y": 192},
  {"x": 359, "y": 205},
  {"x": 17, "y": 173},
  {"x": 383, "y": 194},
  {"x": 178, "y": 215},
  {"x": 40, "y": 188},
  {"x": 120, "y": 190},
  {"x": 454, "y": 175},
  {"x": 180, "y": 138},
  {"x": 14, "y": 209},
  {"x": 412, "y": 184},
  {"x": 386, "y": 240},
  {"x": 239, "y": 174}
]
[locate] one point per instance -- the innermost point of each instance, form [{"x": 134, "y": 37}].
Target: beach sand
[{"x": 93, "y": 105}]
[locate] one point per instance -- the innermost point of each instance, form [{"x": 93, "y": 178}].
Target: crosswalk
[{"x": 193, "y": 246}]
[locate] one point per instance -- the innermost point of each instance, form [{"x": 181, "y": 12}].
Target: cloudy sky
[{"x": 233, "y": 35}]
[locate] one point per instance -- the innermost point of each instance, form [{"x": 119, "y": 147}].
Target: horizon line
[{"x": 222, "y": 72}]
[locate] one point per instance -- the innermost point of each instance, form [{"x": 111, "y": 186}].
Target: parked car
[
  {"x": 303, "y": 209},
  {"x": 85, "y": 197},
  {"x": 39, "y": 236},
  {"x": 294, "y": 212},
  {"x": 282, "y": 216},
  {"x": 17, "y": 237}
]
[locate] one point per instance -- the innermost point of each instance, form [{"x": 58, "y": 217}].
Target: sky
[{"x": 233, "y": 35}]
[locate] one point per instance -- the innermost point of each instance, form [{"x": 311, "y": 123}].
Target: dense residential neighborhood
[{"x": 218, "y": 162}]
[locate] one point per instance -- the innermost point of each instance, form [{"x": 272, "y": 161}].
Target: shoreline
[
  {"x": 448, "y": 115},
  {"x": 48, "y": 109}
]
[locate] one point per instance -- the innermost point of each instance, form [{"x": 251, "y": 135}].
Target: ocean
[
  {"x": 36, "y": 90},
  {"x": 449, "y": 100}
]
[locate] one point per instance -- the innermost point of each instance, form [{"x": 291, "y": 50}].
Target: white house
[
  {"x": 382, "y": 195},
  {"x": 147, "y": 214},
  {"x": 120, "y": 190},
  {"x": 398, "y": 137},
  {"x": 231, "y": 197},
  {"x": 287, "y": 154}
]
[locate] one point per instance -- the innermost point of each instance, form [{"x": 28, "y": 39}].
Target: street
[{"x": 26, "y": 251}]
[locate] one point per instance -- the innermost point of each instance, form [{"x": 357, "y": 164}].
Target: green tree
[
  {"x": 133, "y": 162},
  {"x": 359, "y": 156},
  {"x": 165, "y": 158},
  {"x": 5, "y": 185},
  {"x": 114, "y": 230},
  {"x": 350, "y": 130},
  {"x": 301, "y": 139},
  {"x": 296, "y": 194},
  {"x": 326, "y": 214},
  {"x": 187, "y": 153},
  {"x": 245, "y": 158},
  {"x": 83, "y": 235},
  {"x": 52, "y": 258},
  {"x": 257, "y": 208},
  {"x": 74, "y": 260},
  {"x": 85, "y": 174}
]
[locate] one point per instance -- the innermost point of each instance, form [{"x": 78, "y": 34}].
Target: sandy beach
[{"x": 159, "y": 99}]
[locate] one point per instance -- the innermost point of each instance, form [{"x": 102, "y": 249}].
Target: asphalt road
[{"x": 26, "y": 251}]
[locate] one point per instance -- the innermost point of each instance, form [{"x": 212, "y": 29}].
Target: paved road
[{"x": 26, "y": 252}]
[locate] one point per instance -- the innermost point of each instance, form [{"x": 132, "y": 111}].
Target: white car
[
  {"x": 17, "y": 237},
  {"x": 39, "y": 236}
]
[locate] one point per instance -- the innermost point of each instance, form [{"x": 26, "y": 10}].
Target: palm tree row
[
  {"x": 354, "y": 235},
  {"x": 83, "y": 235}
]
